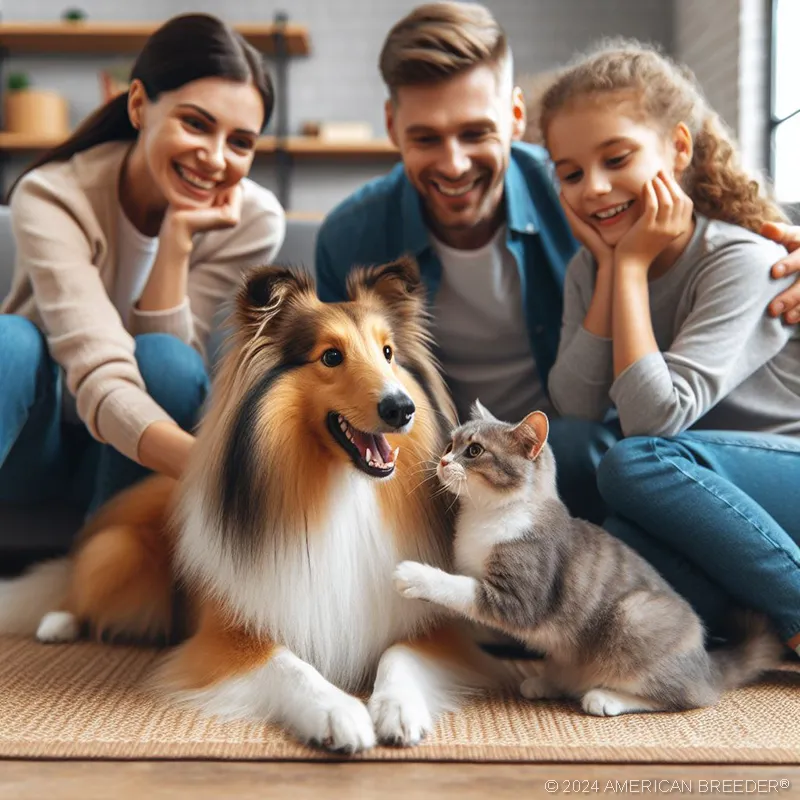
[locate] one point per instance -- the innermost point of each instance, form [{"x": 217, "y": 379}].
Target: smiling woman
[{"x": 130, "y": 236}]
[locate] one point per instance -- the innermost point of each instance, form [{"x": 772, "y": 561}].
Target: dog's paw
[
  {"x": 338, "y": 722},
  {"x": 401, "y": 717},
  {"x": 58, "y": 626},
  {"x": 413, "y": 580}
]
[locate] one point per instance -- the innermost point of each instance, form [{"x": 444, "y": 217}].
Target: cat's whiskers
[
  {"x": 456, "y": 473},
  {"x": 450, "y": 507},
  {"x": 453, "y": 483},
  {"x": 469, "y": 495},
  {"x": 420, "y": 484},
  {"x": 443, "y": 487},
  {"x": 424, "y": 466},
  {"x": 440, "y": 491},
  {"x": 427, "y": 473}
]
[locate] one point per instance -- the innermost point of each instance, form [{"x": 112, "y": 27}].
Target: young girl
[
  {"x": 664, "y": 318},
  {"x": 130, "y": 235}
]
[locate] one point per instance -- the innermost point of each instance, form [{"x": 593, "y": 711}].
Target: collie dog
[{"x": 306, "y": 487}]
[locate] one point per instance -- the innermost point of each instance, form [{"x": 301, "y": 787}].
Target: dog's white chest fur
[{"x": 327, "y": 594}]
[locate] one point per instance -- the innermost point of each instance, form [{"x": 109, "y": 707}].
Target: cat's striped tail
[{"x": 757, "y": 650}]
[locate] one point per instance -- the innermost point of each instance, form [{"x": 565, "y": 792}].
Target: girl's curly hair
[{"x": 666, "y": 93}]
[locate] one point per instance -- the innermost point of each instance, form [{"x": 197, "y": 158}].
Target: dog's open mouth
[{"x": 370, "y": 452}]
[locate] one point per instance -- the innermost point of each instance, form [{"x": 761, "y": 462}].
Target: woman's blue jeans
[
  {"x": 718, "y": 514},
  {"x": 45, "y": 459}
]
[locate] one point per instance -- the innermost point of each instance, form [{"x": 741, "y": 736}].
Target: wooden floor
[{"x": 202, "y": 780}]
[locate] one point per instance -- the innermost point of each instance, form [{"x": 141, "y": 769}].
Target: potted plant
[
  {"x": 36, "y": 112},
  {"x": 74, "y": 15}
]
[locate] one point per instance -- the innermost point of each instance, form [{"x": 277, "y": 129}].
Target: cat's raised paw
[{"x": 412, "y": 579}]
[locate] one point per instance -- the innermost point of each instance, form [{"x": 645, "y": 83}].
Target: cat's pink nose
[{"x": 443, "y": 463}]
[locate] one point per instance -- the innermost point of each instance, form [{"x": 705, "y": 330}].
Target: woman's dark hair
[{"x": 186, "y": 48}]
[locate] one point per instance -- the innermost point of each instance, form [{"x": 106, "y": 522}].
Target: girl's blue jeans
[
  {"x": 717, "y": 513},
  {"x": 45, "y": 459}
]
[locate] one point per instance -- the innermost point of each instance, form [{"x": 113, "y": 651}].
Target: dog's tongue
[
  {"x": 383, "y": 447},
  {"x": 376, "y": 443}
]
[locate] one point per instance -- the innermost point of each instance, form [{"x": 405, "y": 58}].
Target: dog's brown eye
[
  {"x": 474, "y": 450},
  {"x": 387, "y": 352},
  {"x": 332, "y": 358}
]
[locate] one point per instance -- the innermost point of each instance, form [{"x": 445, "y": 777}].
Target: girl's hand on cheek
[
  {"x": 225, "y": 211},
  {"x": 588, "y": 237},
  {"x": 667, "y": 215}
]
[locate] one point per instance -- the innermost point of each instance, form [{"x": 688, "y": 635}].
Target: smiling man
[{"x": 479, "y": 211}]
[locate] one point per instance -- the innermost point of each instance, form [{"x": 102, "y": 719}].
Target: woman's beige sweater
[{"x": 64, "y": 218}]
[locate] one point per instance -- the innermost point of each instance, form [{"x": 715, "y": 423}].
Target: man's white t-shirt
[{"x": 481, "y": 332}]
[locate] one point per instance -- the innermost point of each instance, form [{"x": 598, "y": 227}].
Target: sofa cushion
[{"x": 7, "y": 250}]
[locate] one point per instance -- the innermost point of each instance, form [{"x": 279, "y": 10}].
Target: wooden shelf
[
  {"x": 300, "y": 146},
  {"x": 23, "y": 142},
  {"x": 124, "y": 37}
]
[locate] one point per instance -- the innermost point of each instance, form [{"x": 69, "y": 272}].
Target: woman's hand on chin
[{"x": 181, "y": 223}]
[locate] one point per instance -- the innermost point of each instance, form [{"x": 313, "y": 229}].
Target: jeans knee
[
  {"x": 579, "y": 445},
  {"x": 626, "y": 465},
  {"x": 174, "y": 375},
  {"x": 24, "y": 357},
  {"x": 21, "y": 342},
  {"x": 613, "y": 471}
]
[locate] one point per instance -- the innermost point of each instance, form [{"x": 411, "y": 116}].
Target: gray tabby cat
[{"x": 615, "y": 634}]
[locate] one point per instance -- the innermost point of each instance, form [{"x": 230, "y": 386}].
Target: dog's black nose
[{"x": 396, "y": 410}]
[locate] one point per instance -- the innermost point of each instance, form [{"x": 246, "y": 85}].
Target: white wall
[{"x": 726, "y": 44}]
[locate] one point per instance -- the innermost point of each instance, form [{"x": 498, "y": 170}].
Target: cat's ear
[
  {"x": 480, "y": 413},
  {"x": 532, "y": 432}
]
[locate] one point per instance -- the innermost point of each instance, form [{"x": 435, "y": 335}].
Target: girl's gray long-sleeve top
[{"x": 723, "y": 364}]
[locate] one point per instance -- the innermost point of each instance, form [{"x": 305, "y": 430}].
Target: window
[{"x": 785, "y": 101}]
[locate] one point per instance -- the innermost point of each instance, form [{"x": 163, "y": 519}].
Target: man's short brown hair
[{"x": 437, "y": 41}]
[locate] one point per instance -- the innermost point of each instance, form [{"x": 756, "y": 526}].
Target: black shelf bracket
[{"x": 283, "y": 158}]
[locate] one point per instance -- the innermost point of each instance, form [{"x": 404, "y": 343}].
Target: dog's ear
[
  {"x": 266, "y": 292},
  {"x": 394, "y": 283}
]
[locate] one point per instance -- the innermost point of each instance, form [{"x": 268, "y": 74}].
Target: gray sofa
[{"x": 31, "y": 533}]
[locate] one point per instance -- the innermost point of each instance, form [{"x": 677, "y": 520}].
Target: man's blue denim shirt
[{"x": 383, "y": 221}]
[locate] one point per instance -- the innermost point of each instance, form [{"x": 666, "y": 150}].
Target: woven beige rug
[{"x": 84, "y": 701}]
